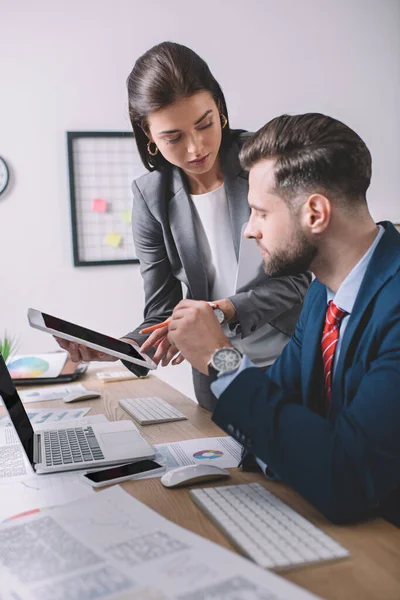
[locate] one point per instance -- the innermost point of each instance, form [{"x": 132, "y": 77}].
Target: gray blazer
[{"x": 168, "y": 249}]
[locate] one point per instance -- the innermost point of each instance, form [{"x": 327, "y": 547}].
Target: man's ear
[{"x": 317, "y": 213}]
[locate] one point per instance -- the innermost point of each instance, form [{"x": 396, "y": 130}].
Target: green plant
[{"x": 8, "y": 345}]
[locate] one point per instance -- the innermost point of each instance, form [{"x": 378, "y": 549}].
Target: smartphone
[{"x": 121, "y": 473}]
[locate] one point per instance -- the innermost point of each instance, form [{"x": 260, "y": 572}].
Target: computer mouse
[
  {"x": 75, "y": 396},
  {"x": 190, "y": 474}
]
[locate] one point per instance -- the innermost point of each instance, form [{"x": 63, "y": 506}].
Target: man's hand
[
  {"x": 165, "y": 350},
  {"x": 195, "y": 331}
]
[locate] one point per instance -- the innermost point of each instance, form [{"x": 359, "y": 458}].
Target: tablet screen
[{"x": 90, "y": 336}]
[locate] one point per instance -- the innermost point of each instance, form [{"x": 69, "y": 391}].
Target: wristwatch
[
  {"x": 224, "y": 361},
  {"x": 219, "y": 314}
]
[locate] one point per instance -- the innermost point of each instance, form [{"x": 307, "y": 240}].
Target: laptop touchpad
[{"x": 122, "y": 439}]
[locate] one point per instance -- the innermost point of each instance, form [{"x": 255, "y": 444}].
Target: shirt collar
[{"x": 346, "y": 295}]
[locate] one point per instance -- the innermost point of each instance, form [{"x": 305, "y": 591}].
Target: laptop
[{"x": 76, "y": 448}]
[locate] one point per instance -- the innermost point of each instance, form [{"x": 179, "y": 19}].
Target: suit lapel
[
  {"x": 181, "y": 218},
  {"x": 182, "y": 223},
  {"x": 312, "y": 367},
  {"x": 236, "y": 187},
  {"x": 385, "y": 262}
]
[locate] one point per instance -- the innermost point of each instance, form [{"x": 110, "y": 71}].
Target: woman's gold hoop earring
[
  {"x": 224, "y": 121},
  {"x": 149, "y": 149}
]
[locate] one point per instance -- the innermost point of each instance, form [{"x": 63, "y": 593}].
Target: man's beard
[{"x": 295, "y": 257}]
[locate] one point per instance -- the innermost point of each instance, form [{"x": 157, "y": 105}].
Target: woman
[{"x": 189, "y": 211}]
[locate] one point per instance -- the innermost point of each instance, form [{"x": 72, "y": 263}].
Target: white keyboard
[
  {"x": 264, "y": 528},
  {"x": 148, "y": 411}
]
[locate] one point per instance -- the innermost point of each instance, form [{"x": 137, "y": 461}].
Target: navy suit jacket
[{"x": 347, "y": 463}]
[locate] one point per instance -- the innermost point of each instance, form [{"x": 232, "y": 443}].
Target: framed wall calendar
[{"x": 102, "y": 166}]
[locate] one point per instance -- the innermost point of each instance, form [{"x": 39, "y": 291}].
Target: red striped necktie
[{"x": 329, "y": 341}]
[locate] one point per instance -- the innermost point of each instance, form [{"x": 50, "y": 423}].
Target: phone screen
[{"x": 123, "y": 471}]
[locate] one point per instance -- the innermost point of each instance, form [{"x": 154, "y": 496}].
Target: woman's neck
[{"x": 206, "y": 182}]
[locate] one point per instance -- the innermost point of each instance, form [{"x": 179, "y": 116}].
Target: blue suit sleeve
[
  {"x": 345, "y": 468},
  {"x": 220, "y": 385}
]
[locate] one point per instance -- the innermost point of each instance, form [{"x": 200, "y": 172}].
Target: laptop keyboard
[{"x": 69, "y": 446}]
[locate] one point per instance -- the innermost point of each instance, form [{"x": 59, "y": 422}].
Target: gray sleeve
[
  {"x": 278, "y": 302},
  {"x": 161, "y": 289}
]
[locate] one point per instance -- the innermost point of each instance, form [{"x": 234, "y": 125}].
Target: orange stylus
[
  {"x": 155, "y": 327},
  {"x": 165, "y": 323}
]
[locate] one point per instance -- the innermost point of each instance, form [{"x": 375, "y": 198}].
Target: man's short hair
[{"x": 314, "y": 154}]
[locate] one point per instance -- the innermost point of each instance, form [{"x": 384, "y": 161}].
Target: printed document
[
  {"x": 53, "y": 392},
  {"x": 222, "y": 452},
  {"x": 14, "y": 465},
  {"x": 40, "y": 416},
  {"x": 111, "y": 546}
]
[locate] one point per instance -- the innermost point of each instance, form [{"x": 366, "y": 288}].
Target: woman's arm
[{"x": 278, "y": 302}]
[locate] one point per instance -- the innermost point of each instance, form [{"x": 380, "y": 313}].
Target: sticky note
[
  {"x": 127, "y": 216},
  {"x": 99, "y": 205},
  {"x": 113, "y": 240}
]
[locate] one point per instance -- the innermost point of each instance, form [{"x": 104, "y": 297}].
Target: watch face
[
  {"x": 220, "y": 315},
  {"x": 3, "y": 175},
  {"x": 226, "y": 360}
]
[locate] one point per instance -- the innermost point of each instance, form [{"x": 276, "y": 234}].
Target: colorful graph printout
[
  {"x": 37, "y": 365},
  {"x": 208, "y": 454}
]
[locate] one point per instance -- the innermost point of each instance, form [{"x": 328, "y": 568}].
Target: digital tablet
[{"x": 87, "y": 337}]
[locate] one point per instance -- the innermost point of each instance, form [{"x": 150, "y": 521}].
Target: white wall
[{"x": 63, "y": 66}]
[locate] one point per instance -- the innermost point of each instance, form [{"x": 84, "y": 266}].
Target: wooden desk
[{"x": 372, "y": 572}]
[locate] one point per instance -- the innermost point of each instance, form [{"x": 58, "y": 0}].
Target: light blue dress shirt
[{"x": 344, "y": 298}]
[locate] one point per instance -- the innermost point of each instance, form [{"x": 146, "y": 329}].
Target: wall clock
[{"x": 4, "y": 175}]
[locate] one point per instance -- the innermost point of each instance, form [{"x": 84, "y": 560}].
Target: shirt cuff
[
  {"x": 221, "y": 383},
  {"x": 266, "y": 470}
]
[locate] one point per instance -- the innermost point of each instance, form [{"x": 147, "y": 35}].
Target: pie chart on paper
[
  {"x": 208, "y": 454},
  {"x": 37, "y": 366},
  {"x": 28, "y": 366}
]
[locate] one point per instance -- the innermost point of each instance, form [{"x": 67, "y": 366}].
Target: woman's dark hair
[
  {"x": 164, "y": 74},
  {"x": 314, "y": 153}
]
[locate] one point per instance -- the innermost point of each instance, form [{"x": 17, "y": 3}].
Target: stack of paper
[{"x": 110, "y": 545}]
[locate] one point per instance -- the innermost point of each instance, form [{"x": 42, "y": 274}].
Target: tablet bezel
[{"x": 36, "y": 320}]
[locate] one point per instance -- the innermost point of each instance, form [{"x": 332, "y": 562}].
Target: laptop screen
[{"x": 16, "y": 410}]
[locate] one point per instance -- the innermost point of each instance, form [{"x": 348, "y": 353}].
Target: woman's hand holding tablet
[
  {"x": 79, "y": 353},
  {"x": 86, "y": 344}
]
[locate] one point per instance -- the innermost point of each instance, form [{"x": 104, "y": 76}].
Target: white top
[{"x": 213, "y": 227}]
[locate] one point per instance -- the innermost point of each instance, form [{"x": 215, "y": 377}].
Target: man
[{"x": 325, "y": 418}]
